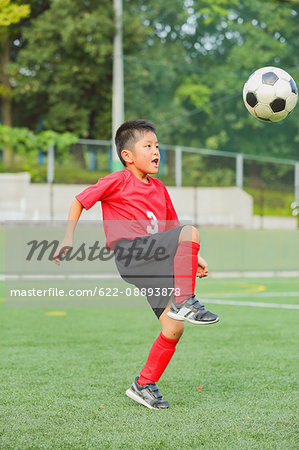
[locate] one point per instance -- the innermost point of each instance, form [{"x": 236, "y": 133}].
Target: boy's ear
[{"x": 127, "y": 155}]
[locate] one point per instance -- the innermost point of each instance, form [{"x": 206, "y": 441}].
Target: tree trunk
[{"x": 6, "y": 110}]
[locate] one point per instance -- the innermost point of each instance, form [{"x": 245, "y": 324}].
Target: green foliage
[
  {"x": 209, "y": 50},
  {"x": 185, "y": 66},
  {"x": 269, "y": 202},
  {"x": 64, "y": 173},
  {"x": 12, "y": 12},
  {"x": 22, "y": 139},
  {"x": 194, "y": 92},
  {"x": 63, "y": 74},
  {"x": 25, "y": 142},
  {"x": 61, "y": 141}
]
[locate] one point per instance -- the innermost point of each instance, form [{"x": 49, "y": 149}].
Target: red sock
[
  {"x": 159, "y": 356},
  {"x": 185, "y": 268}
]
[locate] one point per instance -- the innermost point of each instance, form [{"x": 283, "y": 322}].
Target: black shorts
[{"x": 148, "y": 263}]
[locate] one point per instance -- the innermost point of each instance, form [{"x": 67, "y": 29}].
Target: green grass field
[{"x": 63, "y": 377}]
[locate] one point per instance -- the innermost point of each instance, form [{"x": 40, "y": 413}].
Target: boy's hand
[
  {"x": 64, "y": 247},
  {"x": 202, "y": 269}
]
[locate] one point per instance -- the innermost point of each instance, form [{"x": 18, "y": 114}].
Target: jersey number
[{"x": 153, "y": 228}]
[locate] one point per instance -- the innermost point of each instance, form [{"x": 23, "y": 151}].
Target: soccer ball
[{"x": 270, "y": 94}]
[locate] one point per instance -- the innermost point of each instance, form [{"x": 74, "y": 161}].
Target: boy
[{"x": 152, "y": 250}]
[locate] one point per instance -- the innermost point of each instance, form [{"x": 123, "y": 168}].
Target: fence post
[
  {"x": 50, "y": 177},
  {"x": 118, "y": 111},
  {"x": 178, "y": 166},
  {"x": 296, "y": 182},
  {"x": 239, "y": 170}
]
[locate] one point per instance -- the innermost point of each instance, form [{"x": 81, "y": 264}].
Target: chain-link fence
[{"x": 273, "y": 182}]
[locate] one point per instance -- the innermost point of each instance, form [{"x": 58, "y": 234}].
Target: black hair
[{"x": 129, "y": 133}]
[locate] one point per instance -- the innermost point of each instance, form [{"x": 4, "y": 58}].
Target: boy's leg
[
  {"x": 170, "y": 328},
  {"x": 144, "y": 389},
  {"x": 186, "y": 262},
  {"x": 186, "y": 306},
  {"x": 162, "y": 349}
]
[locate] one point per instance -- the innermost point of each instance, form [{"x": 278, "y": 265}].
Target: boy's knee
[{"x": 189, "y": 233}]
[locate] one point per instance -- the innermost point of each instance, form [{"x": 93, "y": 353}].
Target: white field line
[
  {"x": 109, "y": 276},
  {"x": 236, "y": 303},
  {"x": 255, "y": 304},
  {"x": 254, "y": 294},
  {"x": 255, "y": 274},
  {"x": 79, "y": 276}
]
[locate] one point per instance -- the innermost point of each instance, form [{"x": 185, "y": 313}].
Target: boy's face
[{"x": 146, "y": 155}]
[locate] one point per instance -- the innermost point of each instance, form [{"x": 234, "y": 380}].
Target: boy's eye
[{"x": 149, "y": 145}]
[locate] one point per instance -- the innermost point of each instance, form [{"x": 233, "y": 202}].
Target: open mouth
[{"x": 155, "y": 162}]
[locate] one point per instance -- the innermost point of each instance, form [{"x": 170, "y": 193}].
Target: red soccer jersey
[{"x": 130, "y": 207}]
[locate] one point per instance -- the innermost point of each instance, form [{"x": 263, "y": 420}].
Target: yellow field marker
[
  {"x": 246, "y": 288},
  {"x": 56, "y": 313},
  {"x": 251, "y": 288}
]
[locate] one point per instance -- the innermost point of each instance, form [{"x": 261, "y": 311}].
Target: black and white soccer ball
[{"x": 270, "y": 94}]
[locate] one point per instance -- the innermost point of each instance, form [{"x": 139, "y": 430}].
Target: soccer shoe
[
  {"x": 147, "y": 395},
  {"x": 192, "y": 311}
]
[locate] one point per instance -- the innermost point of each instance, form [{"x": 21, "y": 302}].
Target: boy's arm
[
  {"x": 67, "y": 242},
  {"x": 171, "y": 215}
]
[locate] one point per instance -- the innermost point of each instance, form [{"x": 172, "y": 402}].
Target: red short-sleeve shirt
[{"x": 130, "y": 207}]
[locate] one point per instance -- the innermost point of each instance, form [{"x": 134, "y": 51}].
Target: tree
[
  {"x": 11, "y": 13},
  {"x": 228, "y": 43},
  {"x": 195, "y": 59},
  {"x": 63, "y": 74},
  {"x": 185, "y": 66}
]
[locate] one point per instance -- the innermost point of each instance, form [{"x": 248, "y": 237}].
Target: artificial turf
[{"x": 63, "y": 377}]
